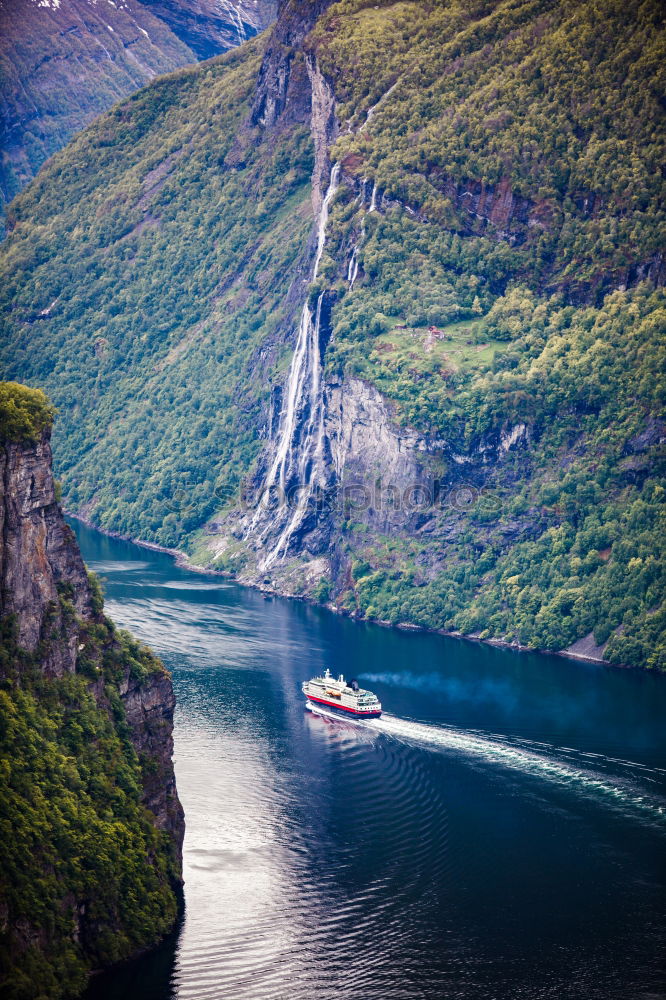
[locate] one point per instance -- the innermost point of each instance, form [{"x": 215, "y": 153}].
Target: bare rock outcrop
[
  {"x": 381, "y": 466},
  {"x": 39, "y": 558},
  {"x": 149, "y": 711},
  {"x": 283, "y": 90}
]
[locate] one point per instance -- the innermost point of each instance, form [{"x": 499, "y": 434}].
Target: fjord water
[{"x": 499, "y": 833}]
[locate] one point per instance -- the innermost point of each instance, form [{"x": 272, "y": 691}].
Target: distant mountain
[
  {"x": 64, "y": 61},
  {"x": 371, "y": 310},
  {"x": 209, "y": 27}
]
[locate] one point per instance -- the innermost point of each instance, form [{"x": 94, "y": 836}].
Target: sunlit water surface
[{"x": 499, "y": 833}]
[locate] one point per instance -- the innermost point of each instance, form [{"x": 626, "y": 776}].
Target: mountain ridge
[
  {"x": 519, "y": 373},
  {"x": 65, "y": 61}
]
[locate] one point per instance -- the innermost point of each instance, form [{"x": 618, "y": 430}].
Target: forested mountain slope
[
  {"x": 64, "y": 61},
  {"x": 92, "y": 828},
  {"x": 462, "y": 380}
]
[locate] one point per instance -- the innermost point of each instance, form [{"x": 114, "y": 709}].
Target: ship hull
[{"x": 342, "y": 710}]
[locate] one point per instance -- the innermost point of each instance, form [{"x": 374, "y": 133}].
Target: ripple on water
[
  {"x": 203, "y": 634},
  {"x": 326, "y": 859},
  {"x": 112, "y": 566},
  {"x": 281, "y": 909}
]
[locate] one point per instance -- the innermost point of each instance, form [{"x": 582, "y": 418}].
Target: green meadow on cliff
[{"x": 510, "y": 277}]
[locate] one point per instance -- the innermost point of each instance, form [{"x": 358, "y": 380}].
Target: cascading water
[
  {"x": 297, "y": 467},
  {"x": 232, "y": 10},
  {"x": 371, "y": 111},
  {"x": 300, "y": 440},
  {"x": 352, "y": 270}
]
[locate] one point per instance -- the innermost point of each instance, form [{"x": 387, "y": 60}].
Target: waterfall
[
  {"x": 371, "y": 111},
  {"x": 300, "y": 439},
  {"x": 352, "y": 270},
  {"x": 232, "y": 10},
  {"x": 297, "y": 467}
]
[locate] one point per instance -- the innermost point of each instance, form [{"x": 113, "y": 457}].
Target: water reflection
[
  {"x": 462, "y": 847},
  {"x": 239, "y": 867}
]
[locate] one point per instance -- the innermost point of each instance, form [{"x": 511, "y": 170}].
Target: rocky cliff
[
  {"x": 38, "y": 555},
  {"x": 65, "y": 671},
  {"x": 282, "y": 84}
]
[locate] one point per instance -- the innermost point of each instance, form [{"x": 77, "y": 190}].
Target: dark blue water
[{"x": 499, "y": 833}]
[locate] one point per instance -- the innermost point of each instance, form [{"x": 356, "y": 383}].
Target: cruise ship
[{"x": 347, "y": 698}]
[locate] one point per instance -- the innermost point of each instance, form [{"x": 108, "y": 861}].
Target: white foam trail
[{"x": 614, "y": 792}]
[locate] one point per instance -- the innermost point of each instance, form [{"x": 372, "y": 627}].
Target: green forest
[
  {"x": 590, "y": 385},
  {"x": 24, "y": 413},
  {"x": 517, "y": 149},
  {"x": 75, "y": 834},
  {"x": 158, "y": 276}
]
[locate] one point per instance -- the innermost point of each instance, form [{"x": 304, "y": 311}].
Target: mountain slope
[
  {"x": 64, "y": 61},
  {"x": 453, "y": 360},
  {"x": 91, "y": 823}
]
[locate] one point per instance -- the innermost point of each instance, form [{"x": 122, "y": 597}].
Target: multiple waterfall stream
[{"x": 297, "y": 465}]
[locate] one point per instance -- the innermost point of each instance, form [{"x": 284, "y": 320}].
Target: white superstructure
[{"x": 348, "y": 698}]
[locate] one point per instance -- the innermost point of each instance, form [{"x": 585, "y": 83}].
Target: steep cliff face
[
  {"x": 282, "y": 88},
  {"x": 149, "y": 708},
  {"x": 65, "y": 61},
  {"x": 39, "y": 563},
  {"x": 86, "y": 722},
  {"x": 386, "y": 471},
  {"x": 37, "y": 554}
]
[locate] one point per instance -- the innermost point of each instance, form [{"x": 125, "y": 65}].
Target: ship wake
[{"x": 624, "y": 792}]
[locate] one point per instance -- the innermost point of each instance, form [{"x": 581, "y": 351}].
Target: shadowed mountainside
[{"x": 62, "y": 62}]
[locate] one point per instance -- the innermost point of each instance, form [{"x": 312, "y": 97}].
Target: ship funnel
[{"x": 354, "y": 685}]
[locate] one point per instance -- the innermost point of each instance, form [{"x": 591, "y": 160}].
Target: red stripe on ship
[{"x": 336, "y": 704}]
